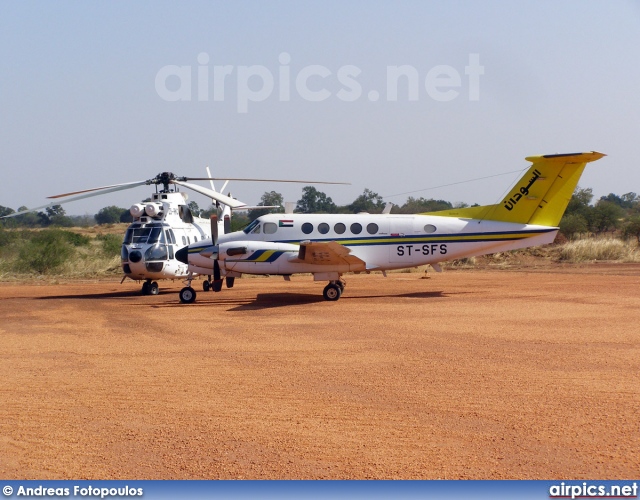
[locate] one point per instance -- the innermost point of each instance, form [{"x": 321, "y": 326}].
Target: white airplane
[{"x": 330, "y": 245}]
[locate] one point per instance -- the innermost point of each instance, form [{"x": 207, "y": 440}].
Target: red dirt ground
[{"x": 481, "y": 374}]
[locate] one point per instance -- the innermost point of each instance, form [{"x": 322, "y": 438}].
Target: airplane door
[{"x": 399, "y": 229}]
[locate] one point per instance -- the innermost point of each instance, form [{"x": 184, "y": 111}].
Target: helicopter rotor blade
[
  {"x": 263, "y": 180},
  {"x": 103, "y": 189},
  {"x": 226, "y": 200},
  {"x": 88, "y": 194}
]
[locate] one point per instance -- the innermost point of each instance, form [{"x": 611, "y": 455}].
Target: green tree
[
  {"x": 6, "y": 211},
  {"x": 110, "y": 215},
  {"x": 580, "y": 201},
  {"x": 572, "y": 224},
  {"x": 314, "y": 201},
  {"x": 30, "y": 219},
  {"x": 54, "y": 216},
  {"x": 420, "y": 205},
  {"x": 270, "y": 198},
  {"x": 606, "y": 216},
  {"x": 626, "y": 201},
  {"x": 195, "y": 209},
  {"x": 632, "y": 228},
  {"x": 368, "y": 201}
]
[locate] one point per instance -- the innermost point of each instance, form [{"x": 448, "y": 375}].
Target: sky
[{"x": 398, "y": 97}]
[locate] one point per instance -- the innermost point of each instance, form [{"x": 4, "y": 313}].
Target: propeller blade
[
  {"x": 263, "y": 180},
  {"x": 217, "y": 278},
  {"x": 214, "y": 229},
  {"x": 216, "y": 271},
  {"x": 227, "y": 224}
]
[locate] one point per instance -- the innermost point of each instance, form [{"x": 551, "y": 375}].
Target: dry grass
[{"x": 599, "y": 249}]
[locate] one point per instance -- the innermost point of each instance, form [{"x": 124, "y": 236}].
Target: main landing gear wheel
[
  {"x": 145, "y": 288},
  {"x": 187, "y": 295},
  {"x": 206, "y": 286},
  {"x": 229, "y": 281},
  {"x": 332, "y": 291},
  {"x": 153, "y": 288}
]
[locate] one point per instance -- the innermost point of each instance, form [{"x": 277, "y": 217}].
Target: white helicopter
[
  {"x": 164, "y": 224},
  {"x": 329, "y": 245}
]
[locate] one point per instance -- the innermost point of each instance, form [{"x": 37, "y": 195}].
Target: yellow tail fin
[{"x": 540, "y": 197}]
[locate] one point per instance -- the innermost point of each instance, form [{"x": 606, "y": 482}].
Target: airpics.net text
[{"x": 312, "y": 83}]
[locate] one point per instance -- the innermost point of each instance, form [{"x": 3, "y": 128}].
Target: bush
[
  {"x": 77, "y": 240},
  {"x": 111, "y": 243},
  {"x": 45, "y": 252}
]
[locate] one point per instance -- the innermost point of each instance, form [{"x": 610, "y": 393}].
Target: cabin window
[
  {"x": 429, "y": 228},
  {"x": 340, "y": 228},
  {"x": 307, "y": 228},
  {"x": 184, "y": 240},
  {"x": 270, "y": 227},
  {"x": 372, "y": 228},
  {"x": 323, "y": 228},
  {"x": 356, "y": 228}
]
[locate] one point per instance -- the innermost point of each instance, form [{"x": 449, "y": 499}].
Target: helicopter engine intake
[{"x": 154, "y": 209}]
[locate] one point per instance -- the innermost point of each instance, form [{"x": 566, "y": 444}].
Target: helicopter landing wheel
[
  {"x": 153, "y": 288},
  {"x": 187, "y": 295},
  {"x": 145, "y": 288},
  {"x": 332, "y": 292},
  {"x": 206, "y": 286}
]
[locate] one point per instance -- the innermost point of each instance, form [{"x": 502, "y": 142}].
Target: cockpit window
[
  {"x": 251, "y": 226},
  {"x": 138, "y": 235},
  {"x": 156, "y": 235}
]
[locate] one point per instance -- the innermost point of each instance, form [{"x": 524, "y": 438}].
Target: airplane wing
[{"x": 325, "y": 253}]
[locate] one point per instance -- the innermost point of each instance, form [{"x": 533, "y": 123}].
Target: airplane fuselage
[{"x": 271, "y": 244}]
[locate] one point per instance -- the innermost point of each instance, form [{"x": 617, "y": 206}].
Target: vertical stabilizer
[{"x": 540, "y": 197}]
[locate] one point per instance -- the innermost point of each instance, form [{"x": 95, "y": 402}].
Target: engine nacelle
[
  {"x": 154, "y": 209},
  {"x": 137, "y": 210}
]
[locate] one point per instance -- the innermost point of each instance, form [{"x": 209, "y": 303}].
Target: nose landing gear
[{"x": 150, "y": 288}]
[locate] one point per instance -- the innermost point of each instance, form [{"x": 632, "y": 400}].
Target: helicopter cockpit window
[
  {"x": 270, "y": 227},
  {"x": 251, "y": 226},
  {"x": 156, "y": 235},
  {"x": 171, "y": 238},
  {"x": 156, "y": 252},
  {"x": 138, "y": 235}
]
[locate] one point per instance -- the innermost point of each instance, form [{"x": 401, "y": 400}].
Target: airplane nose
[{"x": 183, "y": 255}]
